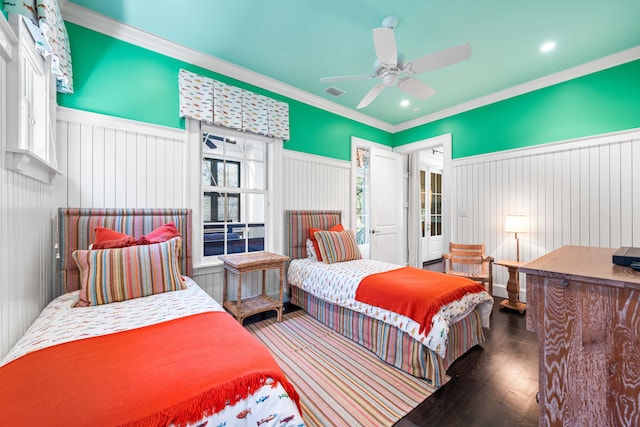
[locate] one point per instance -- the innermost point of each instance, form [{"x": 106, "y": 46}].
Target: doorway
[
  {"x": 424, "y": 211},
  {"x": 431, "y": 220},
  {"x": 377, "y": 207}
]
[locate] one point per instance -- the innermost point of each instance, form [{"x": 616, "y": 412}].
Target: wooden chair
[{"x": 469, "y": 261}]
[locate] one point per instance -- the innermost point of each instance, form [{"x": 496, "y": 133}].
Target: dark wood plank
[{"x": 494, "y": 384}]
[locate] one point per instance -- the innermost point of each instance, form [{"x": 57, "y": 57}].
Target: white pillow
[{"x": 311, "y": 251}]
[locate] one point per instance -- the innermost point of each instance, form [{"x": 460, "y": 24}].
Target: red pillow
[
  {"x": 108, "y": 239},
  {"x": 160, "y": 234},
  {"x": 312, "y": 231}
]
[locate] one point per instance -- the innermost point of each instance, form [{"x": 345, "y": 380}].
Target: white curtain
[{"x": 414, "y": 235}]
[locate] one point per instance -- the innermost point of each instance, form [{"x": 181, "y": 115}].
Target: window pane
[
  {"x": 207, "y": 172},
  {"x": 256, "y": 237},
  {"x": 255, "y": 150},
  {"x": 232, "y": 174},
  {"x": 234, "y": 149},
  {"x": 212, "y": 144},
  {"x": 255, "y": 175},
  {"x": 254, "y": 208}
]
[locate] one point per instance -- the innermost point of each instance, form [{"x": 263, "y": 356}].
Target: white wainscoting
[
  {"x": 110, "y": 162},
  {"x": 584, "y": 192},
  {"x": 316, "y": 182},
  {"x": 26, "y": 235}
]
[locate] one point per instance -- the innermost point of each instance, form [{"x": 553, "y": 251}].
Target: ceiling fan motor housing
[{"x": 379, "y": 68}]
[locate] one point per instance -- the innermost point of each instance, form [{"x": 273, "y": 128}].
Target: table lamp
[{"x": 516, "y": 224}]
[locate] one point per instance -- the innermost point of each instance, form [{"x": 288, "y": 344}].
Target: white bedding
[
  {"x": 337, "y": 283},
  {"x": 59, "y": 323}
]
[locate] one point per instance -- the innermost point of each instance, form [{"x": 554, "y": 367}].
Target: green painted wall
[
  {"x": 124, "y": 80},
  {"x": 598, "y": 103}
]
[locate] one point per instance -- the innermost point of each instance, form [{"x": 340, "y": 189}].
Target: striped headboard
[
  {"x": 76, "y": 230},
  {"x": 296, "y": 229}
]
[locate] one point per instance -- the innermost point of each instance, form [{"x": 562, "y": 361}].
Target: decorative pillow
[
  {"x": 311, "y": 251},
  {"x": 160, "y": 234},
  {"x": 312, "y": 232},
  {"x": 338, "y": 246},
  {"x": 111, "y": 275},
  {"x": 107, "y": 238}
]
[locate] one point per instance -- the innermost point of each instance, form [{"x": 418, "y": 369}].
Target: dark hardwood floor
[{"x": 494, "y": 384}]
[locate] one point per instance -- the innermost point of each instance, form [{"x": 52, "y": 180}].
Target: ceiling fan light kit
[{"x": 392, "y": 69}]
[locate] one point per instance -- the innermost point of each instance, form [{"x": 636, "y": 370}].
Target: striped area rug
[{"x": 340, "y": 383}]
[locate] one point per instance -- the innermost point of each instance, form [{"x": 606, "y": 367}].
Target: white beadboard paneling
[
  {"x": 584, "y": 192},
  {"x": 110, "y": 162},
  {"x": 26, "y": 248},
  {"x": 315, "y": 182}
]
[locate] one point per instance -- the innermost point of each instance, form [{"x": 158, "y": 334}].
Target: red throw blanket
[
  {"x": 414, "y": 293},
  {"x": 173, "y": 372}
]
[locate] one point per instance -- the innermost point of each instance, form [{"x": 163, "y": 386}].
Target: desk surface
[{"x": 584, "y": 263}]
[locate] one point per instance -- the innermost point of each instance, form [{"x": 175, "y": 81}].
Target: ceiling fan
[{"x": 391, "y": 67}]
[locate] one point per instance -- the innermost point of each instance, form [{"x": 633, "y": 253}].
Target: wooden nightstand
[
  {"x": 245, "y": 263},
  {"x": 513, "y": 286}
]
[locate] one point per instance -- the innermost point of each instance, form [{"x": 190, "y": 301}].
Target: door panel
[{"x": 386, "y": 206}]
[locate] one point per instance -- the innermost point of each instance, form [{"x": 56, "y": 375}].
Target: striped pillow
[
  {"x": 337, "y": 246},
  {"x": 111, "y": 275}
]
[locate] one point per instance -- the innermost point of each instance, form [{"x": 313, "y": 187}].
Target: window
[
  {"x": 362, "y": 196},
  {"x": 234, "y": 193}
]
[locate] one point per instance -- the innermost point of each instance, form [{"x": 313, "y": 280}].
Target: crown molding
[
  {"x": 552, "y": 79},
  {"x": 86, "y": 18}
]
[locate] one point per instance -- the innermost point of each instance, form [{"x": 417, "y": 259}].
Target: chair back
[{"x": 466, "y": 259}]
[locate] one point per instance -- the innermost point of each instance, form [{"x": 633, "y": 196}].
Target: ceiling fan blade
[
  {"x": 384, "y": 41},
  {"x": 345, "y": 78},
  {"x": 415, "y": 87},
  {"x": 441, "y": 59},
  {"x": 370, "y": 96}
]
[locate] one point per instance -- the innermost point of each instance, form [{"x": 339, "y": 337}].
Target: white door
[{"x": 386, "y": 206}]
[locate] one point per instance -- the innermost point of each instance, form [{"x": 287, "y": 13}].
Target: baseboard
[{"x": 500, "y": 291}]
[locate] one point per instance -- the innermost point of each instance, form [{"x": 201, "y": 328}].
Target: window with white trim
[{"x": 234, "y": 192}]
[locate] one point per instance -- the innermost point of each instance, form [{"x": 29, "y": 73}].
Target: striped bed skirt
[{"x": 391, "y": 344}]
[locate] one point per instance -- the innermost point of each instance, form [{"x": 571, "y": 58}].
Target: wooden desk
[
  {"x": 513, "y": 286},
  {"x": 585, "y": 310},
  {"x": 246, "y": 263}
]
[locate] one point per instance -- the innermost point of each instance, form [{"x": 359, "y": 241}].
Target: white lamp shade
[{"x": 516, "y": 224}]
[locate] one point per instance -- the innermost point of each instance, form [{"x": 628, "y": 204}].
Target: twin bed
[
  {"x": 167, "y": 354},
  {"x": 328, "y": 292},
  {"x": 168, "y": 358}
]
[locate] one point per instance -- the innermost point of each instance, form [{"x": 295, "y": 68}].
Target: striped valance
[{"x": 211, "y": 101}]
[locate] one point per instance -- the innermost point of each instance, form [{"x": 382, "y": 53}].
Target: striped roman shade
[
  {"x": 296, "y": 229},
  {"x": 112, "y": 275},
  {"x": 76, "y": 230},
  {"x": 338, "y": 246}
]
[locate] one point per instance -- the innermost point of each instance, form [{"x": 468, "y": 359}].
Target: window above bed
[{"x": 234, "y": 192}]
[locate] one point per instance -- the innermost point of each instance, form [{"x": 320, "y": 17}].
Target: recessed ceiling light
[
  {"x": 548, "y": 46},
  {"x": 404, "y": 103}
]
